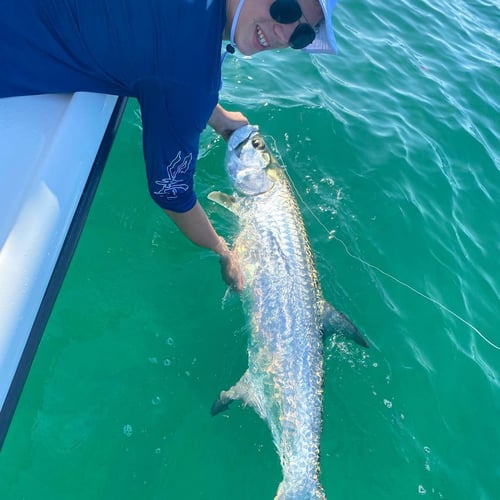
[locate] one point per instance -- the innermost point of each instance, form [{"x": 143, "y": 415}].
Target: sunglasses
[{"x": 289, "y": 12}]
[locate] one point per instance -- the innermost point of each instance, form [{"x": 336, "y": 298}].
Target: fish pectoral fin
[
  {"x": 238, "y": 391},
  {"x": 333, "y": 321},
  {"x": 225, "y": 200}
]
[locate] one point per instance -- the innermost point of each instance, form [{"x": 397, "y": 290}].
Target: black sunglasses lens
[
  {"x": 285, "y": 11},
  {"x": 302, "y": 36}
]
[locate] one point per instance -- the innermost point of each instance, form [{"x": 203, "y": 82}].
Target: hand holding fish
[
  {"x": 226, "y": 122},
  {"x": 230, "y": 268},
  {"x": 196, "y": 226}
]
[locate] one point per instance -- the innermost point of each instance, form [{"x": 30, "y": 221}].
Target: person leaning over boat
[{"x": 165, "y": 53}]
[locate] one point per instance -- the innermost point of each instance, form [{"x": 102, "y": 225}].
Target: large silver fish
[{"x": 288, "y": 315}]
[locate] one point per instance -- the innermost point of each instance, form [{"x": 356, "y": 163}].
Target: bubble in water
[
  {"x": 427, "y": 465},
  {"x": 169, "y": 341},
  {"x": 422, "y": 490},
  {"x": 158, "y": 451},
  {"x": 127, "y": 430},
  {"x": 167, "y": 362},
  {"x": 156, "y": 401},
  {"x": 388, "y": 403},
  {"x": 328, "y": 181}
]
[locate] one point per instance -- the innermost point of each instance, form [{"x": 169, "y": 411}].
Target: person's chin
[{"x": 248, "y": 50}]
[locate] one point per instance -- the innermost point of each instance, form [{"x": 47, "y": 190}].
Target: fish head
[{"x": 247, "y": 160}]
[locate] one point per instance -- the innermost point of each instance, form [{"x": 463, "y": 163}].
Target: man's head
[{"x": 271, "y": 24}]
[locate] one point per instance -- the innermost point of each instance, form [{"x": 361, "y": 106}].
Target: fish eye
[{"x": 258, "y": 143}]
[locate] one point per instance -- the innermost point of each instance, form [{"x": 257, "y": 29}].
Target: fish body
[{"x": 287, "y": 313}]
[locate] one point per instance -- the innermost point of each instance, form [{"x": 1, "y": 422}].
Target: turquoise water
[{"x": 394, "y": 146}]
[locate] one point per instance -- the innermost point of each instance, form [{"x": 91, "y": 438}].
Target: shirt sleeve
[{"x": 172, "y": 125}]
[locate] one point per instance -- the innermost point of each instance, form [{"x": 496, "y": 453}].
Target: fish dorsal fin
[
  {"x": 333, "y": 321},
  {"x": 225, "y": 200}
]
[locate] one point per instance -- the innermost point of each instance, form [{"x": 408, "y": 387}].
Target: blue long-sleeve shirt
[{"x": 166, "y": 53}]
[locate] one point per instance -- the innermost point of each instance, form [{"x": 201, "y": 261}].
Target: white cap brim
[{"x": 325, "y": 42}]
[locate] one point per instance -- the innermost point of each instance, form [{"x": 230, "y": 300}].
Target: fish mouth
[{"x": 247, "y": 160}]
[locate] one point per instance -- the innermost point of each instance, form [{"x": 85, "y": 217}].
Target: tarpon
[{"x": 287, "y": 313}]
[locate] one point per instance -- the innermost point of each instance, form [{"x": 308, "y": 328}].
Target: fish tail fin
[{"x": 312, "y": 490}]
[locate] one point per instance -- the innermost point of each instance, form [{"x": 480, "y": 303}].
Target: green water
[{"x": 394, "y": 145}]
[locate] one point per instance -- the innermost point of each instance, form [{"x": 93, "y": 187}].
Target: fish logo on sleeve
[{"x": 171, "y": 186}]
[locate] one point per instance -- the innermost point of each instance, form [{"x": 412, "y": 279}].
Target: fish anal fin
[
  {"x": 239, "y": 391},
  {"x": 224, "y": 200},
  {"x": 333, "y": 321},
  {"x": 221, "y": 404}
]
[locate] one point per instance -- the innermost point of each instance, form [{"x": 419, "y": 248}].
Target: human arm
[
  {"x": 170, "y": 136},
  {"x": 196, "y": 226}
]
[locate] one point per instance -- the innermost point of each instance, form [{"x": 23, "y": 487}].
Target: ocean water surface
[{"x": 393, "y": 147}]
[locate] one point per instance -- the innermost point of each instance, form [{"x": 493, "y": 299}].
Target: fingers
[
  {"x": 231, "y": 272},
  {"x": 226, "y": 122}
]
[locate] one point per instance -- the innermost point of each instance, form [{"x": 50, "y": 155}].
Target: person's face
[{"x": 257, "y": 30}]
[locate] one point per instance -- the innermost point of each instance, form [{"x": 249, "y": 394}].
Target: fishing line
[
  {"x": 332, "y": 235},
  {"x": 427, "y": 297}
]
